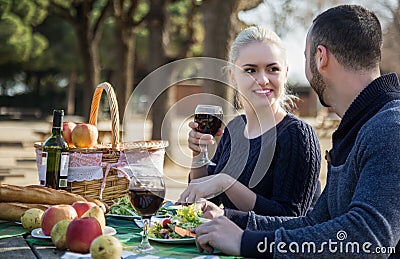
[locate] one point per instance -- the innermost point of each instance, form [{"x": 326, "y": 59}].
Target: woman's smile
[{"x": 264, "y": 92}]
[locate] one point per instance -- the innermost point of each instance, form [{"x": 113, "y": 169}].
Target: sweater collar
[
  {"x": 381, "y": 85},
  {"x": 365, "y": 105}
]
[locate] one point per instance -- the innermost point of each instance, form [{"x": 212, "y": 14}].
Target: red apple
[
  {"x": 85, "y": 135},
  {"x": 82, "y": 206},
  {"x": 56, "y": 213},
  {"x": 67, "y": 129},
  {"x": 81, "y": 232}
]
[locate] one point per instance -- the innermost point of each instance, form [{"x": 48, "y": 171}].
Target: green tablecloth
[
  {"x": 127, "y": 232},
  {"x": 11, "y": 229}
]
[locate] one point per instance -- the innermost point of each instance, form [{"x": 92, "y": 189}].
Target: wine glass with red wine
[
  {"x": 209, "y": 120},
  {"x": 146, "y": 195}
]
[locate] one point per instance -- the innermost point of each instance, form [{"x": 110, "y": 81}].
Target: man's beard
[{"x": 317, "y": 83}]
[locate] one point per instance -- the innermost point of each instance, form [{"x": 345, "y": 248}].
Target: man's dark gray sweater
[{"x": 358, "y": 213}]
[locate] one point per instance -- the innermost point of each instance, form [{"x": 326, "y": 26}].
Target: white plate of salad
[
  {"x": 176, "y": 229},
  {"x": 123, "y": 216},
  {"x": 183, "y": 240}
]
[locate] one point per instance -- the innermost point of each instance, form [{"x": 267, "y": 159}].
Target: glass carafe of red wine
[
  {"x": 146, "y": 195},
  {"x": 209, "y": 120}
]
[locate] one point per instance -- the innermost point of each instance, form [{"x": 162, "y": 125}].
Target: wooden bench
[
  {"x": 42, "y": 135},
  {"x": 11, "y": 144},
  {"x": 6, "y": 173},
  {"x": 4, "y": 170},
  {"x": 18, "y": 113}
]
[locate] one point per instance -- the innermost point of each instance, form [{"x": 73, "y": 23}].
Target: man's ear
[{"x": 321, "y": 58}]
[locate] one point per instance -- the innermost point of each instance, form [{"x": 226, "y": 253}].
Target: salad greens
[
  {"x": 123, "y": 207},
  {"x": 187, "y": 217},
  {"x": 158, "y": 231}
]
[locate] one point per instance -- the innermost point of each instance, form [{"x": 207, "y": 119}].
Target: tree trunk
[
  {"x": 89, "y": 52},
  {"x": 157, "y": 57},
  {"x": 124, "y": 65},
  {"x": 217, "y": 27},
  {"x": 88, "y": 31},
  {"x": 71, "y": 93}
]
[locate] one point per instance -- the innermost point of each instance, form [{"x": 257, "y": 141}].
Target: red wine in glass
[
  {"x": 209, "y": 120},
  {"x": 208, "y": 123},
  {"x": 146, "y": 194},
  {"x": 147, "y": 201}
]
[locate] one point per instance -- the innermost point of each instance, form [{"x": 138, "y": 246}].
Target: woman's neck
[{"x": 260, "y": 121}]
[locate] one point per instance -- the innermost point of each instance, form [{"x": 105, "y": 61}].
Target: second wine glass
[
  {"x": 146, "y": 195},
  {"x": 209, "y": 120}
]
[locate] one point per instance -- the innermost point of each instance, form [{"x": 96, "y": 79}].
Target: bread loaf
[
  {"x": 12, "y": 211},
  {"x": 36, "y": 194}
]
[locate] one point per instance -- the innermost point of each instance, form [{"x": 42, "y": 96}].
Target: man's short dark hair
[{"x": 352, "y": 33}]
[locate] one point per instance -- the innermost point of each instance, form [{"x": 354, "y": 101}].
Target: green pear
[
  {"x": 59, "y": 234},
  {"x": 97, "y": 213},
  {"x": 32, "y": 218},
  {"x": 106, "y": 247}
]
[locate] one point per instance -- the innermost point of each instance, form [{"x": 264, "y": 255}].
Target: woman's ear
[
  {"x": 232, "y": 76},
  {"x": 287, "y": 72}
]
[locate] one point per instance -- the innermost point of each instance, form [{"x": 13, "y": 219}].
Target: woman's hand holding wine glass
[{"x": 207, "y": 123}]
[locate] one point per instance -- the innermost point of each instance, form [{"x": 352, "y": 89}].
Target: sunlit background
[{"x": 53, "y": 53}]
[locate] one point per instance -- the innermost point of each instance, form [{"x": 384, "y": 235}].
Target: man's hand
[
  {"x": 220, "y": 233},
  {"x": 210, "y": 210}
]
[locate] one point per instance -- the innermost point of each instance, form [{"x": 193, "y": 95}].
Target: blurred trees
[
  {"x": 20, "y": 43},
  {"x": 18, "y": 19},
  {"x": 288, "y": 16},
  {"x": 139, "y": 36},
  {"x": 391, "y": 43},
  {"x": 128, "y": 17},
  {"x": 87, "y": 19},
  {"x": 59, "y": 50},
  {"x": 221, "y": 23}
]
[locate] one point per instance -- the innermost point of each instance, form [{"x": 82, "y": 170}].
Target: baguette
[
  {"x": 36, "y": 194},
  {"x": 12, "y": 211}
]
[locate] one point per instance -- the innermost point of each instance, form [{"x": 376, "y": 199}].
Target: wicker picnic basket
[{"x": 114, "y": 180}]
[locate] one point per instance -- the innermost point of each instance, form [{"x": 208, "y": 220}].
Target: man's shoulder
[
  {"x": 389, "y": 113},
  {"x": 385, "y": 121}
]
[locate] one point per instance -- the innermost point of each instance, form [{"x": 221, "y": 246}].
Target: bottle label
[
  {"x": 42, "y": 169},
  {"x": 64, "y": 164},
  {"x": 44, "y": 158},
  {"x": 62, "y": 183}
]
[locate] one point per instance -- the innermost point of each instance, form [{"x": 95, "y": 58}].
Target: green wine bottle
[{"x": 55, "y": 155}]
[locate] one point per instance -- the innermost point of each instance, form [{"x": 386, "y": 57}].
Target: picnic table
[{"x": 16, "y": 242}]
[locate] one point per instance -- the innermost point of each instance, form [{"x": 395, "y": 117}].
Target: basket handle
[{"x": 112, "y": 101}]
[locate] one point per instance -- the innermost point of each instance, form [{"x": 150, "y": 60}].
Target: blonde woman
[{"x": 267, "y": 160}]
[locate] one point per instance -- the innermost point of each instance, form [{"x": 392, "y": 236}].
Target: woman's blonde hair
[{"x": 262, "y": 34}]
